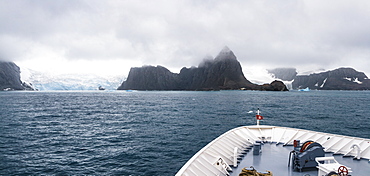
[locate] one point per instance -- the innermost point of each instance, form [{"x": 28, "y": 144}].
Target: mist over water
[{"x": 152, "y": 133}]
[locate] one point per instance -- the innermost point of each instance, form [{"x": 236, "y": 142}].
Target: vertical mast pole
[{"x": 258, "y": 113}]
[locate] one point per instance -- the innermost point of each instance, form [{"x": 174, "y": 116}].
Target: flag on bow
[{"x": 259, "y": 117}]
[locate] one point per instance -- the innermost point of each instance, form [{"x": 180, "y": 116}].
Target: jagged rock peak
[
  {"x": 222, "y": 73},
  {"x": 225, "y": 53},
  {"x": 225, "y": 50}
]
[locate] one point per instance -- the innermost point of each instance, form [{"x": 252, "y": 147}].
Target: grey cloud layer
[{"x": 179, "y": 33}]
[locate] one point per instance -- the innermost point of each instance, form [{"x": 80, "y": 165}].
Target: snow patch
[
  {"x": 357, "y": 81},
  {"x": 310, "y": 71},
  {"x": 349, "y": 79},
  {"x": 353, "y": 80},
  {"x": 322, "y": 85}
]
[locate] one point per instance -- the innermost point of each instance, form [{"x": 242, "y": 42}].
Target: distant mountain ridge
[
  {"x": 10, "y": 78},
  {"x": 338, "y": 79},
  {"x": 221, "y": 73}
]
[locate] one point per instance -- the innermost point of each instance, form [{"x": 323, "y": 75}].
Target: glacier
[
  {"x": 48, "y": 82},
  {"x": 260, "y": 75}
]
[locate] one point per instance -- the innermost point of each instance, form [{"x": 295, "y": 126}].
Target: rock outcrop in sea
[
  {"x": 221, "y": 73},
  {"x": 10, "y": 78}
]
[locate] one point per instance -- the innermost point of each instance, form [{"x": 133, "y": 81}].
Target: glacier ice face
[{"x": 46, "y": 81}]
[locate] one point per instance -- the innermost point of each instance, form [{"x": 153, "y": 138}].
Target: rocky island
[{"x": 221, "y": 73}]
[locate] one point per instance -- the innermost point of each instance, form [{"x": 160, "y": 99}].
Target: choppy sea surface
[{"x": 152, "y": 132}]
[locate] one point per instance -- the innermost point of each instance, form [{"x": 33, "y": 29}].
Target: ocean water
[{"x": 152, "y": 132}]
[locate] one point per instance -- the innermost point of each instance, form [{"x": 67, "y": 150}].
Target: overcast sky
[{"x": 111, "y": 36}]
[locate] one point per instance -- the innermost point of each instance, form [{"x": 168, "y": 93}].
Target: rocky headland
[
  {"x": 224, "y": 72},
  {"x": 10, "y": 78}
]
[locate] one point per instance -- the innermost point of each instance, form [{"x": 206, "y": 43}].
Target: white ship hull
[{"x": 221, "y": 155}]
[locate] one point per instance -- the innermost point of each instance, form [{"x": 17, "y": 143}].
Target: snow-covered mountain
[
  {"x": 46, "y": 81},
  {"x": 338, "y": 79}
]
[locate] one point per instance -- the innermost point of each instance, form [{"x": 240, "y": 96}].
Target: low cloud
[{"x": 301, "y": 34}]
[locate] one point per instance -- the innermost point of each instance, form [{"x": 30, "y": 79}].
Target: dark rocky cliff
[
  {"x": 10, "y": 78},
  {"x": 222, "y": 73},
  {"x": 338, "y": 79},
  {"x": 151, "y": 78}
]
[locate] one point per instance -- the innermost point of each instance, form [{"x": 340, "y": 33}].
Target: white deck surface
[{"x": 275, "y": 159}]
